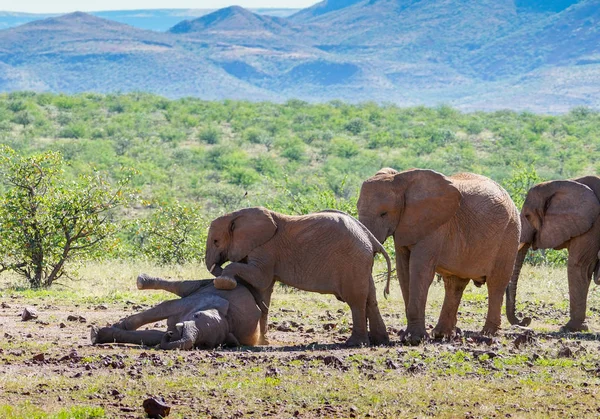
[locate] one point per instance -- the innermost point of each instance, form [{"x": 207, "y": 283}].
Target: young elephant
[
  {"x": 463, "y": 227},
  {"x": 203, "y": 317},
  {"x": 328, "y": 252},
  {"x": 562, "y": 214}
]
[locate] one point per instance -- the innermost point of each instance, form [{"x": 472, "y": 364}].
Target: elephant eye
[
  {"x": 383, "y": 214},
  {"x": 216, "y": 242}
]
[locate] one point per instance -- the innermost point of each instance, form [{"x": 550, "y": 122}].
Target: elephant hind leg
[
  {"x": 378, "y": 333},
  {"x": 180, "y": 288},
  {"x": 454, "y": 288},
  {"x": 496, "y": 285},
  {"x": 359, "y": 336}
]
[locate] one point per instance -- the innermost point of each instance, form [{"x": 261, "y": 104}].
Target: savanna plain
[
  {"x": 50, "y": 369},
  {"x": 176, "y": 165}
]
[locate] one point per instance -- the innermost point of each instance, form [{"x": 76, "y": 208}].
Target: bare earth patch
[{"x": 49, "y": 369}]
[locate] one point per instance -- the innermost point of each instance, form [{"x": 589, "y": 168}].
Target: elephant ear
[
  {"x": 569, "y": 210},
  {"x": 250, "y": 228},
  {"x": 430, "y": 200}
]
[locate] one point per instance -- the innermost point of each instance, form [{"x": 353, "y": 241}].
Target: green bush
[
  {"x": 173, "y": 234},
  {"x": 47, "y": 222},
  {"x": 210, "y": 135}
]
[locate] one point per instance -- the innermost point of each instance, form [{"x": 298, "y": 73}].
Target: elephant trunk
[
  {"x": 184, "y": 337},
  {"x": 213, "y": 262},
  {"x": 511, "y": 290}
]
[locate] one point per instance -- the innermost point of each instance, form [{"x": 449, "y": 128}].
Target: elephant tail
[{"x": 380, "y": 249}]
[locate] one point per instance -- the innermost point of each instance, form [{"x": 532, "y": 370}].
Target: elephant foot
[
  {"x": 413, "y": 336},
  {"x": 490, "y": 330},
  {"x": 122, "y": 324},
  {"x": 356, "y": 341},
  {"x": 572, "y": 326},
  {"x": 378, "y": 339},
  {"x": 143, "y": 281},
  {"x": 440, "y": 333},
  {"x": 101, "y": 335},
  {"x": 224, "y": 283}
]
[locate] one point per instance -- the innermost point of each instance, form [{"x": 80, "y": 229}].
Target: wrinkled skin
[
  {"x": 557, "y": 215},
  {"x": 328, "y": 252},
  {"x": 204, "y": 317},
  {"x": 463, "y": 227}
]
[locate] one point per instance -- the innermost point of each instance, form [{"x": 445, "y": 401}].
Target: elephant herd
[{"x": 463, "y": 227}]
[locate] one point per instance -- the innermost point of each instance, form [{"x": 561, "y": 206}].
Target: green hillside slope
[{"x": 230, "y": 154}]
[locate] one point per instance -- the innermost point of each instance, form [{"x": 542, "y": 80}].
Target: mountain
[
  {"x": 152, "y": 19},
  {"x": 321, "y": 8},
  {"x": 80, "y": 52},
  {"x": 538, "y": 55},
  {"x": 568, "y": 38},
  {"x": 237, "y": 22}
]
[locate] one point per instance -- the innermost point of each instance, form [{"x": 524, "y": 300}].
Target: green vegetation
[
  {"x": 206, "y": 158},
  {"x": 46, "y": 221}
]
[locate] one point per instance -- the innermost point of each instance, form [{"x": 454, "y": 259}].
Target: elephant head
[
  {"x": 553, "y": 213},
  {"x": 408, "y": 205},
  {"x": 207, "y": 328},
  {"x": 233, "y": 236}
]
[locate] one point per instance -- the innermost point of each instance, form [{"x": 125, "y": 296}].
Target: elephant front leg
[
  {"x": 259, "y": 276},
  {"x": 421, "y": 272},
  {"x": 579, "y": 282},
  {"x": 454, "y": 288},
  {"x": 264, "y": 304},
  {"x": 378, "y": 334},
  {"x": 136, "y": 337}
]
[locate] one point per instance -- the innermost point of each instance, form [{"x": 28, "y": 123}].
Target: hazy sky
[{"x": 63, "y": 6}]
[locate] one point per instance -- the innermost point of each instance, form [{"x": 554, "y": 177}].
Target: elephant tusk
[
  {"x": 212, "y": 268},
  {"x": 521, "y": 245}
]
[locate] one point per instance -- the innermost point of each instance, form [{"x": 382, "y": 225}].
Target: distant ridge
[
  {"x": 473, "y": 54},
  {"x": 232, "y": 19},
  {"x": 321, "y": 8}
]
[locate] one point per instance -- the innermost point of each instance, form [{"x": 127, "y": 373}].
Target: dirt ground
[{"x": 48, "y": 367}]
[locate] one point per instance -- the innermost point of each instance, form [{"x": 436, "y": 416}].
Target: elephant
[
  {"x": 462, "y": 227},
  {"x": 328, "y": 252},
  {"x": 562, "y": 214},
  {"x": 204, "y": 317}
]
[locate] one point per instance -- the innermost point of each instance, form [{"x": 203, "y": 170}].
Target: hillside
[
  {"x": 81, "y": 52},
  {"x": 152, "y": 19},
  {"x": 213, "y": 153},
  {"x": 473, "y": 54}
]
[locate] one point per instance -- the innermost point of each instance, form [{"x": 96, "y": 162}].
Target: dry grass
[{"x": 304, "y": 372}]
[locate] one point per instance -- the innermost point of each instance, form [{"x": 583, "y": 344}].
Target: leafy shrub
[
  {"x": 74, "y": 130},
  {"x": 46, "y": 222},
  {"x": 173, "y": 234},
  {"x": 355, "y": 126},
  {"x": 210, "y": 135},
  {"x": 345, "y": 148},
  {"x": 292, "y": 149}
]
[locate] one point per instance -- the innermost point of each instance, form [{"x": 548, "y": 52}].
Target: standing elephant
[
  {"x": 463, "y": 227},
  {"x": 556, "y": 215},
  {"x": 203, "y": 317},
  {"x": 328, "y": 252}
]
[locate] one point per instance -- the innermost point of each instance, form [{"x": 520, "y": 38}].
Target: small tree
[
  {"x": 173, "y": 234},
  {"x": 47, "y": 221}
]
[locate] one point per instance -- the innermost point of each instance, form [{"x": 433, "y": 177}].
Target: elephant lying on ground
[
  {"x": 203, "y": 317},
  {"x": 328, "y": 252},
  {"x": 463, "y": 227},
  {"x": 556, "y": 215}
]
